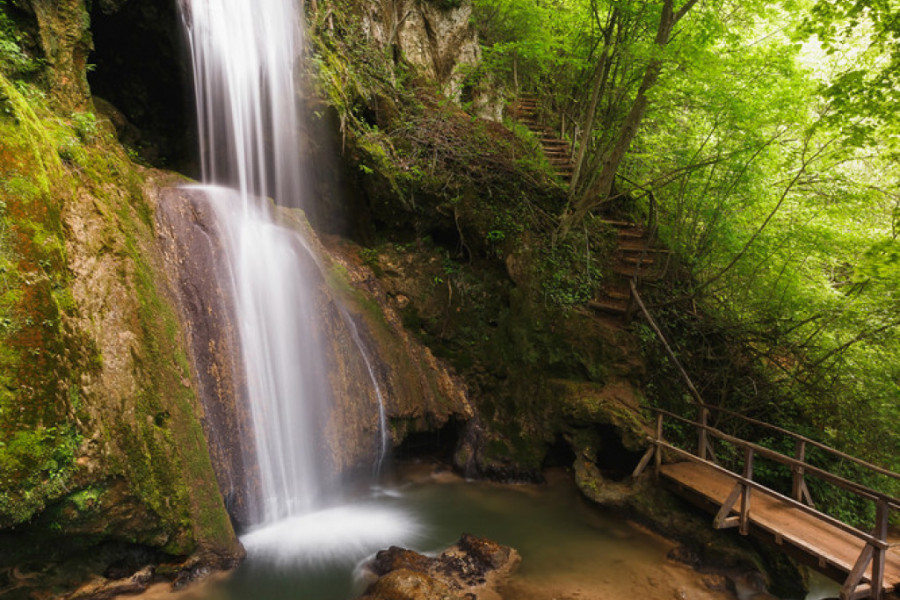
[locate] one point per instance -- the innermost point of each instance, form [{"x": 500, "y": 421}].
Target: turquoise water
[{"x": 569, "y": 548}]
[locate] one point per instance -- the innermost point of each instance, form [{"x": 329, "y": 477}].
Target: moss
[
  {"x": 46, "y": 161},
  {"x": 87, "y": 498},
  {"x": 39, "y": 355}
]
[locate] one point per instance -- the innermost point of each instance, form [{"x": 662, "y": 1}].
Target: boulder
[{"x": 473, "y": 568}]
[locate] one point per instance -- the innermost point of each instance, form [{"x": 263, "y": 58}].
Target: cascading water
[
  {"x": 244, "y": 56},
  {"x": 384, "y": 437}
]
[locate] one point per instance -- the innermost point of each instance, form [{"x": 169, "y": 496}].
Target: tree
[{"x": 600, "y": 190}]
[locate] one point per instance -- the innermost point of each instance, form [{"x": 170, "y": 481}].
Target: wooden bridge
[{"x": 864, "y": 561}]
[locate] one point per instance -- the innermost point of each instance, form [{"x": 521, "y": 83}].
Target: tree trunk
[
  {"x": 600, "y": 190},
  {"x": 587, "y": 126}
]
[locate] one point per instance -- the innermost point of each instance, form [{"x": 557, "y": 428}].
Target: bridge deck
[{"x": 821, "y": 541}]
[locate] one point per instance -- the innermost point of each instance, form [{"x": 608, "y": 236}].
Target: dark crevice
[
  {"x": 559, "y": 454},
  {"x": 614, "y": 460},
  {"x": 141, "y": 67},
  {"x": 438, "y": 444}
]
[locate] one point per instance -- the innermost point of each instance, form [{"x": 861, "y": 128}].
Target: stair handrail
[
  {"x": 698, "y": 399},
  {"x": 876, "y": 542}
]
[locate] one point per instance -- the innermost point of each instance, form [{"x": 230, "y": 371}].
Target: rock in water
[{"x": 472, "y": 568}]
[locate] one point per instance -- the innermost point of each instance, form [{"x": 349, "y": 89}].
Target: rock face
[
  {"x": 64, "y": 41},
  {"x": 190, "y": 238},
  {"x": 473, "y": 568},
  {"x": 102, "y": 445},
  {"x": 418, "y": 393},
  {"x": 435, "y": 35}
]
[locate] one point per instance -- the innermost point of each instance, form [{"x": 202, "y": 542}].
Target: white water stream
[{"x": 244, "y": 57}]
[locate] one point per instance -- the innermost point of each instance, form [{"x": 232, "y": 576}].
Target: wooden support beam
[
  {"x": 703, "y": 440},
  {"x": 799, "y": 490},
  {"x": 848, "y": 590},
  {"x": 881, "y": 530},
  {"x": 645, "y": 460},
  {"x": 745, "y": 492},
  {"x": 723, "y": 520},
  {"x": 659, "y": 440}
]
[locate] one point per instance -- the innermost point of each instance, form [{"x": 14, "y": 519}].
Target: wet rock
[
  {"x": 470, "y": 569},
  {"x": 396, "y": 558},
  {"x": 717, "y": 582},
  {"x": 103, "y": 589},
  {"x": 684, "y": 555},
  {"x": 486, "y": 552},
  {"x": 357, "y": 319},
  {"x": 405, "y": 584}
]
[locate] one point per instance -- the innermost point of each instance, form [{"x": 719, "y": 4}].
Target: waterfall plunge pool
[{"x": 571, "y": 550}]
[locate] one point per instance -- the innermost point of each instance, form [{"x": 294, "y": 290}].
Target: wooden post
[
  {"x": 745, "y": 492},
  {"x": 881, "y": 529},
  {"x": 797, "y": 487},
  {"x": 659, "y": 439},
  {"x": 702, "y": 442}
]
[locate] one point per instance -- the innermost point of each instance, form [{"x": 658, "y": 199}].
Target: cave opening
[
  {"x": 140, "y": 77},
  {"x": 615, "y": 461},
  {"x": 438, "y": 444},
  {"x": 559, "y": 454}
]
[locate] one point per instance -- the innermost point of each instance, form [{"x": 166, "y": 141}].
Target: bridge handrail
[
  {"x": 852, "y": 486},
  {"x": 804, "y": 439},
  {"x": 699, "y": 402},
  {"x": 850, "y": 529}
]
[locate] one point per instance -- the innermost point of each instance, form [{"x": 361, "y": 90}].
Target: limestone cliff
[{"x": 100, "y": 429}]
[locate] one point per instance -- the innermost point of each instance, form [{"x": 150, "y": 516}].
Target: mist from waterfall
[{"x": 244, "y": 58}]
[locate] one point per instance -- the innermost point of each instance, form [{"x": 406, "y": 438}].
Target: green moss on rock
[{"x": 97, "y": 408}]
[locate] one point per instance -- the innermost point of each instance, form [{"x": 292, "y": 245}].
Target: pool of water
[{"x": 570, "y": 550}]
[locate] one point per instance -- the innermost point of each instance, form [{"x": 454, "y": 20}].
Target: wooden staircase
[
  {"x": 558, "y": 151},
  {"x": 635, "y": 258}
]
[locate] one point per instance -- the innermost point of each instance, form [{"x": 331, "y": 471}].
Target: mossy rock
[{"x": 96, "y": 388}]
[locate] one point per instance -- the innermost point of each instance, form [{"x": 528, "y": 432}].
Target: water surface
[{"x": 570, "y": 549}]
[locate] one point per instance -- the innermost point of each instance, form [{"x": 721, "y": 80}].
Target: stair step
[
  {"x": 628, "y": 271},
  {"x": 645, "y": 250},
  {"x": 621, "y": 224},
  {"x": 637, "y": 260},
  {"x": 608, "y": 305},
  {"x": 616, "y": 294},
  {"x": 638, "y": 245}
]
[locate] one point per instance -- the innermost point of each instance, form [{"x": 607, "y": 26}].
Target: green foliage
[
  {"x": 13, "y": 59},
  {"x": 862, "y": 40},
  {"x": 570, "y": 275}
]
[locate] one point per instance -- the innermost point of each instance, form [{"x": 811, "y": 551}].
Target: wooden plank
[{"x": 803, "y": 531}]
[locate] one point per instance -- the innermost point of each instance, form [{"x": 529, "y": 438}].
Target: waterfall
[
  {"x": 384, "y": 445},
  {"x": 244, "y": 57}
]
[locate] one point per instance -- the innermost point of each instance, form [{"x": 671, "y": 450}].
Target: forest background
[{"x": 759, "y": 140}]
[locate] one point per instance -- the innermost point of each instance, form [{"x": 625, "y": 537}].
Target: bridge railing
[{"x": 876, "y": 542}]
